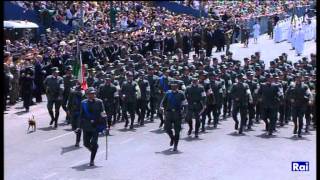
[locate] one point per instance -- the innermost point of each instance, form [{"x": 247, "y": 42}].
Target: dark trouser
[
  {"x": 227, "y": 102},
  {"x": 251, "y": 109},
  {"x": 308, "y": 116},
  {"x": 131, "y": 108},
  {"x": 57, "y": 105},
  {"x": 313, "y": 111},
  {"x": 141, "y": 110},
  {"x": 207, "y": 112},
  {"x": 269, "y": 113},
  {"x": 27, "y": 98},
  {"x": 193, "y": 112},
  {"x": 38, "y": 92},
  {"x": 64, "y": 104},
  {"x": 287, "y": 111},
  {"x": 258, "y": 111},
  {"x": 208, "y": 51},
  {"x": 243, "y": 115},
  {"x": 297, "y": 117},
  {"x": 175, "y": 119},
  {"x": 197, "y": 49},
  {"x": 90, "y": 141},
  {"x": 110, "y": 110},
  {"x": 160, "y": 115},
  {"x": 281, "y": 113},
  {"x": 216, "y": 113},
  {"x": 75, "y": 118},
  {"x": 153, "y": 105}
]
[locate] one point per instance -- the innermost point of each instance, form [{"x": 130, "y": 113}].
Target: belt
[{"x": 173, "y": 110}]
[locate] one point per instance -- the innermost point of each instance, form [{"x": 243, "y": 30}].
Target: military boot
[{"x": 52, "y": 117}]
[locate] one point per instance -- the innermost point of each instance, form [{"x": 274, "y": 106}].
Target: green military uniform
[
  {"x": 108, "y": 93},
  {"x": 69, "y": 82},
  {"x": 92, "y": 121},
  {"x": 128, "y": 93},
  {"x": 54, "y": 91},
  {"x": 269, "y": 95},
  {"x": 196, "y": 96},
  {"x": 241, "y": 96},
  {"x": 300, "y": 98},
  {"x": 142, "y": 102},
  {"x": 172, "y": 103},
  {"x": 73, "y": 106}
]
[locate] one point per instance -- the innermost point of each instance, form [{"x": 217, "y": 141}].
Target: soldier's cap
[
  {"x": 173, "y": 83},
  {"x": 305, "y": 58},
  {"x": 222, "y": 56},
  {"x": 269, "y": 76},
  {"x": 55, "y": 69},
  {"x": 272, "y": 63},
  {"x": 214, "y": 59},
  {"x": 195, "y": 77},
  {"x": 313, "y": 55},
  {"x": 229, "y": 53},
  {"x": 246, "y": 59},
  {"x": 99, "y": 68},
  {"x": 69, "y": 68},
  {"x": 129, "y": 74},
  {"x": 212, "y": 73},
  {"x": 91, "y": 90},
  {"x": 108, "y": 77},
  {"x": 91, "y": 70},
  {"x": 249, "y": 73},
  {"x": 240, "y": 75}
]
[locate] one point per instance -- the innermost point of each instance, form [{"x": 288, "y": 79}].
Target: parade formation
[{"x": 163, "y": 71}]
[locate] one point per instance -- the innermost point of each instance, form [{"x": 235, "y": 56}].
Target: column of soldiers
[{"x": 202, "y": 89}]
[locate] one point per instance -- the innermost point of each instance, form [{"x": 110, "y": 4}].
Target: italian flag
[{"x": 79, "y": 69}]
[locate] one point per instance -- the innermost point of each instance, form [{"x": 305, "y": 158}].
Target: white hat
[{"x": 62, "y": 43}]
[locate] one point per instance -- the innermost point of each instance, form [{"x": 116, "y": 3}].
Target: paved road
[{"x": 144, "y": 153}]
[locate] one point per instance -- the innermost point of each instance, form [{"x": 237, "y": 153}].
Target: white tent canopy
[{"x": 19, "y": 24}]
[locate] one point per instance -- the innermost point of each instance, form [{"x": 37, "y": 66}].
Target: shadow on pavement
[
  {"x": 158, "y": 131},
  {"x": 19, "y": 108},
  {"x": 29, "y": 132},
  {"x": 296, "y": 138},
  {"x": 266, "y": 136},
  {"x": 21, "y": 113},
  {"x": 169, "y": 152},
  {"x": 190, "y": 138},
  {"x": 47, "y": 128},
  {"x": 68, "y": 130},
  {"x": 126, "y": 130},
  {"x": 84, "y": 167},
  {"x": 63, "y": 124},
  {"x": 68, "y": 149},
  {"x": 236, "y": 134},
  {"x": 212, "y": 128}
]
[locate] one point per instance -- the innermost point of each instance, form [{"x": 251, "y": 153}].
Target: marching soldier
[
  {"x": 219, "y": 91},
  {"x": 163, "y": 87},
  {"x": 27, "y": 83},
  {"x": 195, "y": 96},
  {"x": 74, "y": 104},
  {"x": 108, "y": 93},
  {"x": 152, "y": 79},
  {"x": 300, "y": 98},
  {"x": 172, "y": 104},
  {"x": 92, "y": 121},
  {"x": 254, "y": 87},
  {"x": 54, "y": 91},
  {"x": 268, "y": 96},
  {"x": 241, "y": 97},
  {"x": 145, "y": 97},
  {"x": 91, "y": 79},
  {"x": 68, "y": 80},
  {"x": 279, "y": 101},
  {"x": 129, "y": 93}
]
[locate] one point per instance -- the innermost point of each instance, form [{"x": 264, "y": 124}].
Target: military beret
[
  {"x": 69, "y": 68},
  {"x": 240, "y": 75},
  {"x": 55, "y": 69}
]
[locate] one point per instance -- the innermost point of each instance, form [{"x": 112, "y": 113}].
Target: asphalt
[{"x": 144, "y": 153}]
